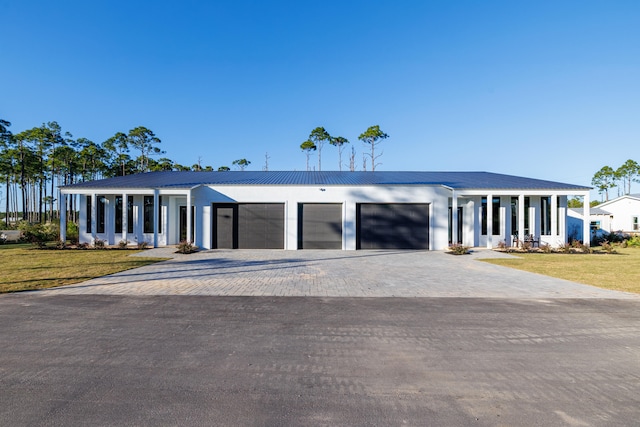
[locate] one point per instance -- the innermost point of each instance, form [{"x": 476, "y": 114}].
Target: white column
[
  {"x": 94, "y": 217},
  {"x": 156, "y": 200},
  {"x": 62, "y": 200},
  {"x": 125, "y": 215},
  {"x": 454, "y": 217},
  {"x": 586, "y": 225},
  {"x": 489, "y": 220},
  {"x": 189, "y": 225},
  {"x": 349, "y": 226}
]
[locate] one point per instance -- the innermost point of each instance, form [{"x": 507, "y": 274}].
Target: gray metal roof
[
  {"x": 592, "y": 211},
  {"x": 456, "y": 180}
]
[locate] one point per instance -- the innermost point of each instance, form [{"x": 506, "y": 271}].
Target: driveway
[
  {"x": 422, "y": 338},
  {"x": 334, "y": 274}
]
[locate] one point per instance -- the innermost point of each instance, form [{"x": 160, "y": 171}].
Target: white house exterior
[
  {"x": 618, "y": 215},
  {"x": 316, "y": 210}
]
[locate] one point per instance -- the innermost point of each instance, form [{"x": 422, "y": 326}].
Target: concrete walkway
[{"x": 333, "y": 274}]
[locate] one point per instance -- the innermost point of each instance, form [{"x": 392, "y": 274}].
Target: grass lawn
[
  {"x": 619, "y": 271},
  {"x": 25, "y": 268}
]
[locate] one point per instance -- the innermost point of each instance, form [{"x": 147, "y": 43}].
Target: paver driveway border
[{"x": 329, "y": 273}]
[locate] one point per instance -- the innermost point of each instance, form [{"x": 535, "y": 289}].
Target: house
[
  {"x": 316, "y": 210},
  {"x": 617, "y": 215}
]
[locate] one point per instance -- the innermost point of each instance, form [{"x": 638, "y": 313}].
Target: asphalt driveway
[{"x": 460, "y": 342}]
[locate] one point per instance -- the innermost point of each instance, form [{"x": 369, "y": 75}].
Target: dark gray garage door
[
  {"x": 249, "y": 226},
  {"x": 392, "y": 226},
  {"x": 320, "y": 226}
]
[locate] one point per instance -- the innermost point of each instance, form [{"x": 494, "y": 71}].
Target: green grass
[
  {"x": 22, "y": 267},
  {"x": 619, "y": 271}
]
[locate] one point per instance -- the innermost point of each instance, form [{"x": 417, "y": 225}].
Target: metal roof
[{"x": 456, "y": 180}]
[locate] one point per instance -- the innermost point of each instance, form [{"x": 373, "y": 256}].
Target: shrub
[
  {"x": 99, "y": 244},
  {"x": 72, "y": 232},
  {"x": 143, "y": 245},
  {"x": 565, "y": 248},
  {"x": 608, "y": 247},
  {"x": 38, "y": 234},
  {"x": 633, "y": 242},
  {"x": 122, "y": 244},
  {"x": 458, "y": 249},
  {"x": 185, "y": 247},
  {"x": 546, "y": 248}
]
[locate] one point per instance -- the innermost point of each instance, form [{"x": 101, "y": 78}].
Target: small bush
[
  {"x": 185, "y": 247},
  {"x": 565, "y": 248},
  {"x": 608, "y": 247},
  {"x": 122, "y": 244},
  {"x": 458, "y": 249},
  {"x": 99, "y": 244},
  {"x": 633, "y": 242},
  {"x": 84, "y": 245},
  {"x": 143, "y": 245},
  {"x": 546, "y": 248}
]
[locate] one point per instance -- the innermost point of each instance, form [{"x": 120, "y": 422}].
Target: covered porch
[
  {"x": 136, "y": 216},
  {"x": 491, "y": 219}
]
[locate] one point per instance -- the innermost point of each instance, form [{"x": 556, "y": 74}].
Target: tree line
[
  {"x": 34, "y": 162},
  {"x": 608, "y": 178}
]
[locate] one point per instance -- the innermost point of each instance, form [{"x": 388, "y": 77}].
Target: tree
[
  {"x": 339, "y": 142},
  {"x": 145, "y": 141},
  {"x": 6, "y": 162},
  {"x": 319, "y": 136},
  {"x": 629, "y": 171},
  {"x": 241, "y": 163},
  {"x": 373, "y": 136},
  {"x": 308, "y": 146},
  {"x": 224, "y": 169},
  {"x": 117, "y": 146},
  {"x": 604, "y": 179}
]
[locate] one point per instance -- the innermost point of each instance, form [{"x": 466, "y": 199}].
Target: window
[
  {"x": 160, "y": 214},
  {"x": 102, "y": 202},
  {"x": 514, "y": 216},
  {"x": 148, "y": 214},
  {"x": 545, "y": 216},
  {"x": 495, "y": 206},
  {"x": 118, "y": 214},
  {"x": 634, "y": 224},
  {"x": 89, "y": 212},
  {"x": 495, "y": 211},
  {"x": 130, "y": 214},
  {"x": 527, "y": 206}
]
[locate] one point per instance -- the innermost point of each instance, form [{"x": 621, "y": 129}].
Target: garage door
[
  {"x": 392, "y": 226},
  {"x": 320, "y": 226},
  {"x": 249, "y": 226}
]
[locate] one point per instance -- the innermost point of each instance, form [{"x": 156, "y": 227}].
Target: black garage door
[
  {"x": 320, "y": 226},
  {"x": 249, "y": 226},
  {"x": 392, "y": 226}
]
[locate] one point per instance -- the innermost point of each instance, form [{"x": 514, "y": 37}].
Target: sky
[{"x": 542, "y": 89}]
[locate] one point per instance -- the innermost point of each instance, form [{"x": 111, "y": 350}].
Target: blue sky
[{"x": 545, "y": 89}]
